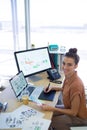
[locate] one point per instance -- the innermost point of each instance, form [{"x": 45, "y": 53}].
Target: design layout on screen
[
  {"x": 18, "y": 83},
  {"x": 33, "y": 61}
]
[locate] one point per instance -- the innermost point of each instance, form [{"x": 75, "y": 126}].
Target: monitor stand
[{"x": 34, "y": 78}]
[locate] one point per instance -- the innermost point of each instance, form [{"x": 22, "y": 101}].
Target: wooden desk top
[{"x": 8, "y": 96}]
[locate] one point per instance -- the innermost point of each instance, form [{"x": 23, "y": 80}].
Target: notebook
[{"x": 19, "y": 84}]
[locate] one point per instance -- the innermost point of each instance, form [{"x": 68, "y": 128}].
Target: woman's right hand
[{"x": 48, "y": 89}]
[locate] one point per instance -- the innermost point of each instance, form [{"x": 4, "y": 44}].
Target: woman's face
[{"x": 68, "y": 66}]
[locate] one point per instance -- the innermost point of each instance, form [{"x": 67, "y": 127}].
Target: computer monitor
[{"x": 33, "y": 61}]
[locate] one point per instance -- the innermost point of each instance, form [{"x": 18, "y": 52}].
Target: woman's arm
[
  {"x": 74, "y": 107},
  {"x": 52, "y": 88},
  {"x": 73, "y": 111}
]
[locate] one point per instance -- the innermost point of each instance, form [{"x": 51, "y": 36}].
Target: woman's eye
[
  {"x": 69, "y": 64},
  {"x": 63, "y": 63}
]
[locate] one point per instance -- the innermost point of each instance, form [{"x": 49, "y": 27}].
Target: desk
[{"x": 8, "y": 96}]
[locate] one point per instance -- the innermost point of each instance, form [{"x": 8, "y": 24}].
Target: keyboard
[{"x": 30, "y": 89}]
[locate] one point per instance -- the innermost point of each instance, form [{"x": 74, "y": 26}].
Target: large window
[
  {"x": 12, "y": 25},
  {"x": 63, "y": 22},
  {"x": 12, "y": 33},
  {"x": 59, "y": 21},
  {"x": 6, "y": 39}
]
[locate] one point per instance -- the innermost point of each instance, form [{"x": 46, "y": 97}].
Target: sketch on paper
[{"x": 15, "y": 119}]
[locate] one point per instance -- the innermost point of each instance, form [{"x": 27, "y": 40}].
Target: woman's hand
[
  {"x": 48, "y": 89},
  {"x": 46, "y": 107}
]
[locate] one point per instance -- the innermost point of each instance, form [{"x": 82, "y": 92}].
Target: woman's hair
[{"x": 72, "y": 53}]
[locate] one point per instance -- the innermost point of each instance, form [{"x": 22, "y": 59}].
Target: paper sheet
[
  {"x": 16, "y": 118},
  {"x": 36, "y": 123}
]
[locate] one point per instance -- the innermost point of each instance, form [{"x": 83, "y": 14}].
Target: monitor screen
[{"x": 33, "y": 61}]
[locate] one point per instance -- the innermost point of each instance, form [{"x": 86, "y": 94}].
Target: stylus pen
[{"x": 48, "y": 87}]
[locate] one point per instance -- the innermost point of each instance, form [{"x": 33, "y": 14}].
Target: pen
[{"x": 48, "y": 87}]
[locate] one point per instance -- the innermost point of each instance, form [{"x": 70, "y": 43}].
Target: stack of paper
[
  {"x": 16, "y": 118},
  {"x": 36, "y": 123}
]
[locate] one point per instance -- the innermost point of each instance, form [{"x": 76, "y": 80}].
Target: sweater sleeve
[{"x": 76, "y": 89}]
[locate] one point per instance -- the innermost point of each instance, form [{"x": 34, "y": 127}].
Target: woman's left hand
[{"x": 47, "y": 107}]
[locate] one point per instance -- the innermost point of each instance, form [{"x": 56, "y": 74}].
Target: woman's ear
[{"x": 76, "y": 66}]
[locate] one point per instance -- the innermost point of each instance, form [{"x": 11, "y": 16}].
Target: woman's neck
[{"x": 69, "y": 75}]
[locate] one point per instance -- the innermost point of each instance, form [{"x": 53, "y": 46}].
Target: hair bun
[{"x": 73, "y": 50}]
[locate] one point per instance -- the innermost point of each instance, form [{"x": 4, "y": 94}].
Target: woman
[{"x": 74, "y": 111}]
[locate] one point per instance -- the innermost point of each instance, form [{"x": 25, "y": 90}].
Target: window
[
  {"x": 59, "y": 21},
  {"x": 12, "y": 33},
  {"x": 63, "y": 22}
]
